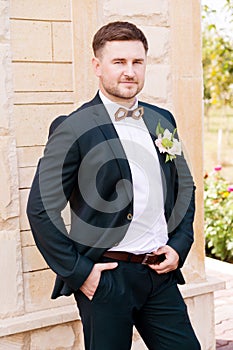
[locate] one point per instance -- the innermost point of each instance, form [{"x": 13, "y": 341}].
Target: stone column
[
  {"x": 11, "y": 299},
  {"x": 186, "y": 77},
  {"x": 85, "y": 85}
]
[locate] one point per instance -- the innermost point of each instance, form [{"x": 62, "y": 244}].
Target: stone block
[
  {"x": 189, "y": 112},
  {"x": 53, "y": 338},
  {"x": 36, "y": 119},
  {"x": 32, "y": 259},
  {"x": 6, "y": 87},
  {"x": 79, "y": 338},
  {"x": 40, "y": 97},
  {"x": 158, "y": 42},
  {"x": 23, "y": 220},
  {"x": 29, "y": 156},
  {"x": 42, "y": 76},
  {"x": 186, "y": 38},
  {"x": 10, "y": 274},
  {"x": 85, "y": 84},
  {"x": 201, "y": 313},
  {"x": 15, "y": 342},
  {"x": 41, "y": 9},
  {"x": 31, "y": 40},
  {"x": 9, "y": 204},
  {"x": 193, "y": 269},
  {"x": 4, "y": 25},
  {"x": 38, "y": 287},
  {"x": 26, "y": 176},
  {"x": 26, "y": 239},
  {"x": 157, "y": 86},
  {"x": 39, "y": 319},
  {"x": 150, "y": 12},
  {"x": 62, "y": 42}
]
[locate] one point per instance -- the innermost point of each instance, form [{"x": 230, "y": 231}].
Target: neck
[{"x": 127, "y": 103}]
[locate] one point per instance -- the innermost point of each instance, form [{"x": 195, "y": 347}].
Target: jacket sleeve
[{"x": 51, "y": 188}]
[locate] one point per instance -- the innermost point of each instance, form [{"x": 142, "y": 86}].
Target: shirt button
[{"x": 129, "y": 216}]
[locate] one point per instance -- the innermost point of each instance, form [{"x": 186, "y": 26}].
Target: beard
[{"x": 118, "y": 90}]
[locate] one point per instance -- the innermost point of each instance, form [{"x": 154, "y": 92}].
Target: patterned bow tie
[{"x": 122, "y": 113}]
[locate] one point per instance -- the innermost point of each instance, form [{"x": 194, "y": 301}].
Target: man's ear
[{"x": 96, "y": 66}]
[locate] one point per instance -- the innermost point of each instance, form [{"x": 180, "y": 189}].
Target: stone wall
[
  {"x": 11, "y": 302},
  {"x": 42, "y": 64},
  {"x": 45, "y": 70}
]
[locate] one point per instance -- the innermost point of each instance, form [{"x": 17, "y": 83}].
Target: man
[{"x": 117, "y": 161}]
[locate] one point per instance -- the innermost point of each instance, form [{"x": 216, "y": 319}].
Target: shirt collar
[{"x": 112, "y": 107}]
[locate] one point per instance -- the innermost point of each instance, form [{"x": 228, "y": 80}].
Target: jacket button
[
  {"x": 129, "y": 216},
  {"x": 116, "y": 244}
]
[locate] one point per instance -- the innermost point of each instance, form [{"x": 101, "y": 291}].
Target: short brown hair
[{"x": 117, "y": 31}]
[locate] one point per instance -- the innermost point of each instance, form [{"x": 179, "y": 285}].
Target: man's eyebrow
[
  {"x": 124, "y": 59},
  {"x": 139, "y": 59},
  {"x": 118, "y": 59}
]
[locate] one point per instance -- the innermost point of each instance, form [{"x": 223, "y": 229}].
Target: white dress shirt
[{"x": 148, "y": 229}]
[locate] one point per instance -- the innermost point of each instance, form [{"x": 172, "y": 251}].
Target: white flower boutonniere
[{"x": 167, "y": 143}]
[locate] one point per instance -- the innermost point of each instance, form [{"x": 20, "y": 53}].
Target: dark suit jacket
[{"x": 84, "y": 164}]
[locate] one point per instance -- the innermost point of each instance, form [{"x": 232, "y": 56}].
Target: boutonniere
[{"x": 167, "y": 143}]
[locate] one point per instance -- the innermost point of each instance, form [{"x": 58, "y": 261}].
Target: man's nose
[{"x": 129, "y": 70}]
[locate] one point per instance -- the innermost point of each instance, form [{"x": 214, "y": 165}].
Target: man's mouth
[{"x": 128, "y": 82}]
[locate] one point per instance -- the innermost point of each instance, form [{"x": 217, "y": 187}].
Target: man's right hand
[{"x": 90, "y": 285}]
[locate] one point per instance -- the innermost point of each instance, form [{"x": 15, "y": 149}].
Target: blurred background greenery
[
  {"x": 217, "y": 39},
  {"x": 217, "y": 52}
]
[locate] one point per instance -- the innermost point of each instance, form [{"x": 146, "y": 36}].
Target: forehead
[{"x": 124, "y": 49}]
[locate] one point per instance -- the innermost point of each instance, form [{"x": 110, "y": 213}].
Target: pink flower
[
  {"x": 218, "y": 168},
  {"x": 230, "y": 188},
  {"x": 158, "y": 143}
]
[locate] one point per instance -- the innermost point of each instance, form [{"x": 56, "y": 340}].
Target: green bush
[{"x": 218, "y": 206}]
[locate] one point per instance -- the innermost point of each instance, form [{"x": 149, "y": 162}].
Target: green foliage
[
  {"x": 229, "y": 6},
  {"x": 217, "y": 61},
  {"x": 218, "y": 206},
  {"x": 217, "y": 69},
  {"x": 207, "y": 11}
]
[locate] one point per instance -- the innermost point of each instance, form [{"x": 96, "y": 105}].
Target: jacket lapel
[
  {"x": 151, "y": 119},
  {"x": 103, "y": 120}
]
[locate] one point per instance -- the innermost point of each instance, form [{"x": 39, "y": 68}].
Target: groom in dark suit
[{"x": 119, "y": 164}]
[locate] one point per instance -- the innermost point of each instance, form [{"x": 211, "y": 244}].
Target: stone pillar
[
  {"x": 186, "y": 90},
  {"x": 85, "y": 85},
  {"x": 11, "y": 298}
]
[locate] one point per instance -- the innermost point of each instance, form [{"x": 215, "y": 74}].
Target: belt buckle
[{"x": 147, "y": 256}]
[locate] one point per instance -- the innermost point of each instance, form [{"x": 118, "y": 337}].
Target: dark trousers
[{"x": 133, "y": 294}]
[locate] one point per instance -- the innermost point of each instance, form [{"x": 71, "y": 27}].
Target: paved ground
[{"x": 223, "y": 303}]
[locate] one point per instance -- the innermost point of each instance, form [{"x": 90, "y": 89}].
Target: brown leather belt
[{"x": 146, "y": 259}]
